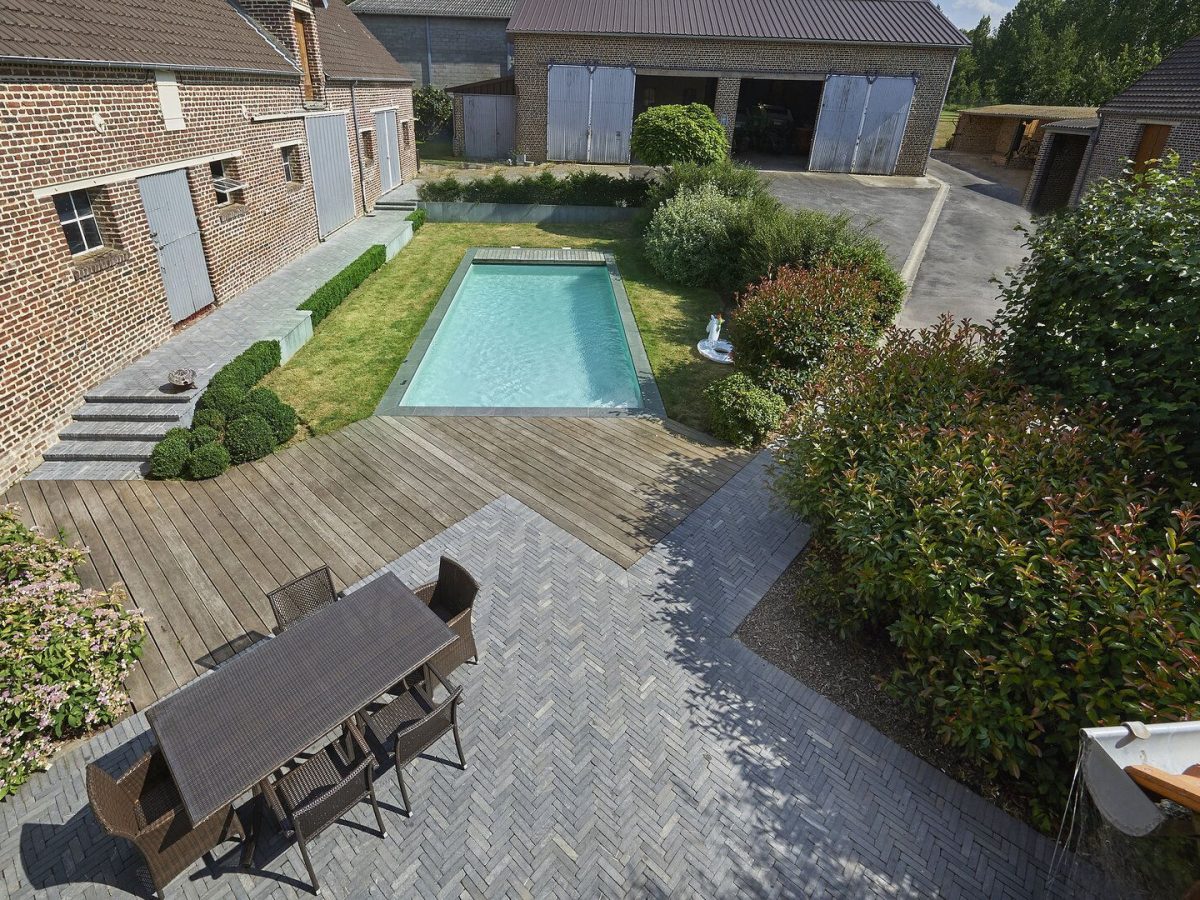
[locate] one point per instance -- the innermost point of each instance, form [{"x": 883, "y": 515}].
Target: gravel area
[{"x": 793, "y": 635}]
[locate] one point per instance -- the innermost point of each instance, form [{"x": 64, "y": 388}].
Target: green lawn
[
  {"x": 339, "y": 376},
  {"x": 947, "y": 122}
]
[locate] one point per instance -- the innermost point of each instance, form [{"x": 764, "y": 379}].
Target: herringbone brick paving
[{"x": 620, "y": 744}]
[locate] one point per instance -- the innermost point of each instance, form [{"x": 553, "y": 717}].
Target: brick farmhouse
[
  {"x": 160, "y": 157},
  {"x": 845, "y": 86},
  {"x": 1158, "y": 114},
  {"x": 443, "y": 42}
]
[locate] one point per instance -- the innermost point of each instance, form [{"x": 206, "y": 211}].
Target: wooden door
[
  {"x": 302, "y": 49},
  {"x": 1151, "y": 147}
]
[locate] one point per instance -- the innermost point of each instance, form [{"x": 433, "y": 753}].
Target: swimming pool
[{"x": 525, "y": 335}]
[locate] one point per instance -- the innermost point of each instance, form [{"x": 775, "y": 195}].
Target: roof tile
[
  {"x": 1170, "y": 90},
  {"x": 349, "y": 51}
]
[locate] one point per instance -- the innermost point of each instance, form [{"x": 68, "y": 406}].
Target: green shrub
[
  {"x": 266, "y": 403},
  {"x": 687, "y": 241},
  {"x": 169, "y": 454},
  {"x": 741, "y": 412},
  {"x": 1034, "y": 582},
  {"x": 66, "y": 651},
  {"x": 1107, "y": 308},
  {"x": 433, "y": 108},
  {"x": 330, "y": 295},
  {"x": 787, "y": 383},
  {"x": 663, "y": 135},
  {"x": 733, "y": 180},
  {"x": 417, "y": 217},
  {"x": 207, "y": 460},
  {"x": 796, "y": 319},
  {"x": 202, "y": 435},
  {"x": 209, "y": 418},
  {"x": 576, "y": 189},
  {"x": 249, "y": 438}
]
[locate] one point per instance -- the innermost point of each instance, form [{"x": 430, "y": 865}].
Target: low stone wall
[{"x": 517, "y": 213}]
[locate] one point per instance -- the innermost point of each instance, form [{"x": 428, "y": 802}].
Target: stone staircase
[
  {"x": 398, "y": 204},
  {"x": 117, "y": 427}
]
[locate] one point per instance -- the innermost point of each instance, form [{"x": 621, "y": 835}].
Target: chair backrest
[
  {"x": 110, "y": 803},
  {"x": 456, "y": 588},
  {"x": 302, "y": 597}
]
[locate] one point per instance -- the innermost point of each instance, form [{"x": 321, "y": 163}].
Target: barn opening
[
  {"x": 777, "y": 119},
  {"x": 654, "y": 89}
]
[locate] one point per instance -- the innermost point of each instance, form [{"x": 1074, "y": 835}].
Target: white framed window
[
  {"x": 78, "y": 222},
  {"x": 290, "y": 156},
  {"x": 225, "y": 184}
]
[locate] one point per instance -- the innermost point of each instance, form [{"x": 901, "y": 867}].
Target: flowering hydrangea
[{"x": 64, "y": 650}]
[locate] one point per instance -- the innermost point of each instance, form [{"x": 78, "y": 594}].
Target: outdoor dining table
[{"x": 227, "y": 732}]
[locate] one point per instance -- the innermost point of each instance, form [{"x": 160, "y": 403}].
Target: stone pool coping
[{"x": 652, "y": 403}]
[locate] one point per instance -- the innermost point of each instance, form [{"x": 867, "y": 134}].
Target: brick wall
[
  {"x": 67, "y": 323},
  {"x": 1056, "y": 172},
  {"x": 984, "y": 134},
  {"x": 369, "y": 98},
  {"x": 463, "y": 50},
  {"x": 1117, "y": 142},
  {"x": 730, "y": 60}
]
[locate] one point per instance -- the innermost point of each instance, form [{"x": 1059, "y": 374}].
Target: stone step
[
  {"x": 114, "y": 395},
  {"x": 103, "y": 430},
  {"x": 101, "y": 451},
  {"x": 130, "y": 412},
  {"x": 401, "y": 205},
  {"x": 89, "y": 471}
]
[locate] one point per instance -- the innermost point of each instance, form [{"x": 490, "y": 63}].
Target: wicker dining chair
[
  {"x": 143, "y": 807},
  {"x": 325, "y": 787},
  {"x": 302, "y": 597},
  {"x": 413, "y": 721},
  {"x": 452, "y": 597}
]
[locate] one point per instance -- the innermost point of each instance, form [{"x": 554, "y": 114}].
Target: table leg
[{"x": 259, "y": 799}]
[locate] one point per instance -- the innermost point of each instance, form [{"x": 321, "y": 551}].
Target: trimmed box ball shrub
[
  {"x": 1107, "y": 308},
  {"x": 206, "y": 461},
  {"x": 330, "y": 295},
  {"x": 266, "y": 403},
  {"x": 249, "y": 438},
  {"x": 663, "y": 135},
  {"x": 209, "y": 418},
  {"x": 687, "y": 241},
  {"x": 169, "y": 454},
  {"x": 1033, "y": 581},
  {"x": 202, "y": 435},
  {"x": 741, "y": 412},
  {"x": 222, "y": 397},
  {"x": 67, "y": 651},
  {"x": 796, "y": 319}
]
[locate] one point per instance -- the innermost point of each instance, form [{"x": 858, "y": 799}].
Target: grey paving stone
[{"x": 620, "y": 744}]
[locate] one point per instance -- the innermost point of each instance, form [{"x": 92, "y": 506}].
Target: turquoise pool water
[{"x": 529, "y": 336}]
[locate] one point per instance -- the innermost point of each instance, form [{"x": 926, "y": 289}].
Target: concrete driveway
[{"x": 973, "y": 242}]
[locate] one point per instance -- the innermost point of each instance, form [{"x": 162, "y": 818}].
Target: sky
[{"x": 967, "y": 13}]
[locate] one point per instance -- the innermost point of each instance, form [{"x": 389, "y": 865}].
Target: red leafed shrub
[
  {"x": 1035, "y": 580},
  {"x": 794, "y": 319}
]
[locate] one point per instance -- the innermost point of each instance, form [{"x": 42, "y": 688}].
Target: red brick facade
[
  {"x": 1117, "y": 143},
  {"x": 68, "y": 322}
]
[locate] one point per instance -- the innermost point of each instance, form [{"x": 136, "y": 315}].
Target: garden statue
[{"x": 712, "y": 347}]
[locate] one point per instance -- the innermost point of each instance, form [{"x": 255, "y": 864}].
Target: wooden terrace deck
[{"x": 198, "y": 557}]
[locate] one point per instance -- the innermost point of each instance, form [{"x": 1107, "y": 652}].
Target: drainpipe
[
  {"x": 362, "y": 178},
  {"x": 428, "y": 51}
]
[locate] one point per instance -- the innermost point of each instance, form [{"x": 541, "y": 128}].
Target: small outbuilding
[
  {"x": 1158, "y": 114},
  {"x": 1010, "y": 134},
  {"x": 834, "y": 85}
]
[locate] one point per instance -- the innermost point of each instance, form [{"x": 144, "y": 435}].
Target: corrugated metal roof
[
  {"x": 349, "y": 51},
  {"x": 1170, "y": 90},
  {"x": 190, "y": 35},
  {"x": 914, "y": 22},
  {"x": 455, "y": 9},
  {"x": 1032, "y": 111}
]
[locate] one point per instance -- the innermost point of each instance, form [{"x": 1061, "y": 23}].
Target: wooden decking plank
[
  {"x": 632, "y": 447},
  {"x": 455, "y": 497},
  {"x": 586, "y": 521},
  {"x": 654, "y": 446},
  {"x": 222, "y": 517},
  {"x": 480, "y": 468},
  {"x": 354, "y": 520},
  {"x": 191, "y": 622},
  {"x": 309, "y": 522},
  {"x": 171, "y": 650},
  {"x": 259, "y": 503},
  {"x": 219, "y": 562},
  {"x": 99, "y": 572},
  {"x": 224, "y": 601},
  {"x": 420, "y": 434},
  {"x": 599, "y": 507},
  {"x": 407, "y": 472},
  {"x": 41, "y": 516}
]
